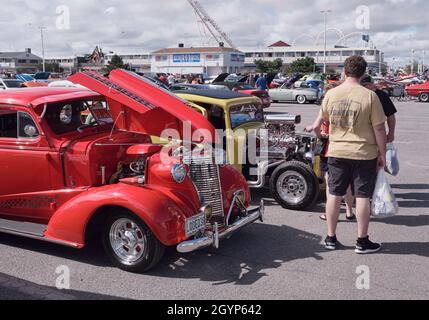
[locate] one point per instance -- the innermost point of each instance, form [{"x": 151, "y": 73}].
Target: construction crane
[{"x": 214, "y": 29}]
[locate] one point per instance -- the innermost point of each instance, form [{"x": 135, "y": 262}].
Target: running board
[
  {"x": 31, "y": 230},
  {"x": 22, "y": 228}
]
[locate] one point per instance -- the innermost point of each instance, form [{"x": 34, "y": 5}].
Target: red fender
[{"x": 162, "y": 210}]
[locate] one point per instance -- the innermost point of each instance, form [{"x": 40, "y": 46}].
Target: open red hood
[{"x": 145, "y": 108}]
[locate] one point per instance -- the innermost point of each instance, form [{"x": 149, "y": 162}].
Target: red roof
[
  {"x": 279, "y": 44},
  {"x": 32, "y": 97}
]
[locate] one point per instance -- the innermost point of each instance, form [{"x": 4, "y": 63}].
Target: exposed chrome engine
[{"x": 284, "y": 142}]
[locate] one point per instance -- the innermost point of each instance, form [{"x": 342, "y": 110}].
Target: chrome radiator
[{"x": 205, "y": 175}]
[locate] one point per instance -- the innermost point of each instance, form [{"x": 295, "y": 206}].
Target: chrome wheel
[
  {"x": 292, "y": 187},
  {"x": 301, "y": 99},
  {"x": 424, "y": 97},
  {"x": 127, "y": 240}
]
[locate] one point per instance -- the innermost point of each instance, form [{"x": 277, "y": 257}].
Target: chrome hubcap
[
  {"x": 292, "y": 187},
  {"x": 127, "y": 240}
]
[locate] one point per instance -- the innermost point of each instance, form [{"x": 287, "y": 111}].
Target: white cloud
[{"x": 396, "y": 26}]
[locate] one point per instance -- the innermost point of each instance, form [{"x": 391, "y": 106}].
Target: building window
[
  {"x": 279, "y": 54},
  {"x": 34, "y": 61},
  {"x": 161, "y": 58},
  {"x": 22, "y": 61}
]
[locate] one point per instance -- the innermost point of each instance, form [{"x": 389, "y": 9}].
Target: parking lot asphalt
[{"x": 282, "y": 258}]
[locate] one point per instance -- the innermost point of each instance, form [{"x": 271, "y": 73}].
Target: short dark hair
[{"x": 355, "y": 67}]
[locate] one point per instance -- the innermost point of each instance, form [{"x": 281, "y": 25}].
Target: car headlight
[
  {"x": 208, "y": 212},
  {"x": 178, "y": 172}
]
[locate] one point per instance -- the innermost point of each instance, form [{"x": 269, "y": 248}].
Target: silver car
[
  {"x": 6, "y": 84},
  {"x": 300, "y": 95}
]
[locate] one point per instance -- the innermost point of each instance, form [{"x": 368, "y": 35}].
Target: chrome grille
[{"x": 205, "y": 175}]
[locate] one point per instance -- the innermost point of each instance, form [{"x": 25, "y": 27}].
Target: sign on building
[{"x": 187, "y": 58}]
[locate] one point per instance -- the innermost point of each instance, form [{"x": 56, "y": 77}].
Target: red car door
[{"x": 25, "y": 182}]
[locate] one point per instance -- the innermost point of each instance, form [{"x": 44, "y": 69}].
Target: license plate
[{"x": 195, "y": 224}]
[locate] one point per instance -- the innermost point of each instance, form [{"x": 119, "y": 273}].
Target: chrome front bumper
[{"x": 213, "y": 238}]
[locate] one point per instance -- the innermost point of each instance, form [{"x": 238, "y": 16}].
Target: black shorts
[{"x": 360, "y": 174}]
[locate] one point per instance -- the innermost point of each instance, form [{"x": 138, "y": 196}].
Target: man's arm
[
  {"x": 391, "y": 123},
  {"x": 316, "y": 126},
  {"x": 381, "y": 138},
  {"x": 323, "y": 116}
]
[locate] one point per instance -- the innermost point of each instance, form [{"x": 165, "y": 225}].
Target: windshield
[
  {"x": 13, "y": 83},
  {"x": 245, "y": 113},
  {"x": 68, "y": 117}
]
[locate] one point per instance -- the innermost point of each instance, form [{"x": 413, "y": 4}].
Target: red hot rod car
[
  {"x": 65, "y": 179},
  {"x": 419, "y": 90}
]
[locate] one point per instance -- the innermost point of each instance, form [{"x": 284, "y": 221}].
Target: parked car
[
  {"x": 419, "y": 90},
  {"x": 289, "y": 169},
  {"x": 188, "y": 86},
  {"x": 393, "y": 89},
  {"x": 105, "y": 180},
  {"x": 6, "y": 84},
  {"x": 300, "y": 95},
  {"x": 247, "y": 89}
]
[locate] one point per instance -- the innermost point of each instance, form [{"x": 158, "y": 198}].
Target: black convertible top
[{"x": 215, "y": 94}]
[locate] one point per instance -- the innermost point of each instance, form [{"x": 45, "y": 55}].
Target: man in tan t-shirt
[{"x": 357, "y": 149}]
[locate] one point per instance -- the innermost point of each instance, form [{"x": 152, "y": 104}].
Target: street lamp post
[
  {"x": 412, "y": 61},
  {"x": 325, "y": 17},
  {"x": 43, "y": 47}
]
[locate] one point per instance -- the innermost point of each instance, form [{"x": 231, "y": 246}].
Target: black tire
[
  {"x": 153, "y": 251},
  {"x": 424, "y": 97},
  {"x": 301, "y": 99},
  {"x": 306, "y": 199}
]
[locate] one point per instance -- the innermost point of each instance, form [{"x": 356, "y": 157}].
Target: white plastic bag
[
  {"x": 384, "y": 203},
  {"x": 392, "y": 161}
]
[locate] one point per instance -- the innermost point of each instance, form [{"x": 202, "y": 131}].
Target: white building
[
  {"x": 335, "y": 56},
  {"x": 138, "y": 62},
  {"x": 19, "y": 62},
  {"x": 205, "y": 60}
]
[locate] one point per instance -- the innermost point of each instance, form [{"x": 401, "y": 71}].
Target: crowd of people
[{"x": 352, "y": 124}]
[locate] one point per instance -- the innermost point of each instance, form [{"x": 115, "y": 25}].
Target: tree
[
  {"x": 116, "y": 63},
  {"x": 415, "y": 68},
  {"x": 303, "y": 65},
  {"x": 52, "y": 67},
  {"x": 269, "y": 66}
]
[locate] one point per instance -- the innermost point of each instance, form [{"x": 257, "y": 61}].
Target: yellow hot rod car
[{"x": 286, "y": 162}]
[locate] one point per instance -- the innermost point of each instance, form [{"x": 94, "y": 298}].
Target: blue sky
[{"x": 76, "y": 27}]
